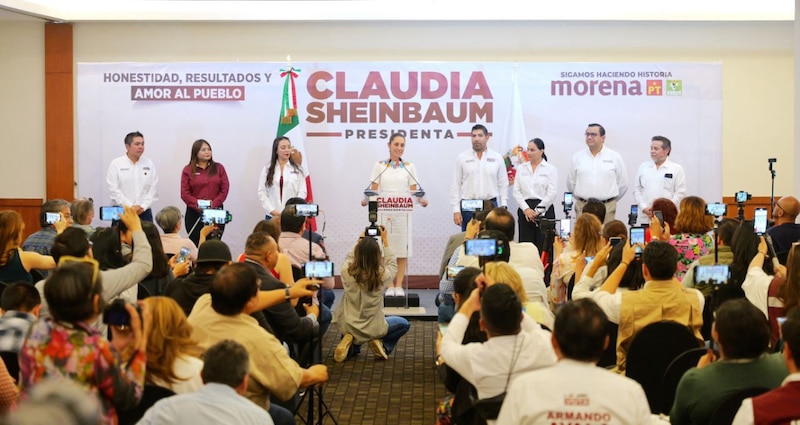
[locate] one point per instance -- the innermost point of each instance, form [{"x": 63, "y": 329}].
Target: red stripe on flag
[{"x": 312, "y": 222}]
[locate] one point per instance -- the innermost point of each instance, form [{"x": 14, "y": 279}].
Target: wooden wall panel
[
  {"x": 59, "y": 112},
  {"x": 29, "y": 208}
]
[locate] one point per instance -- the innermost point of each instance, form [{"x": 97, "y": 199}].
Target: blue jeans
[
  {"x": 398, "y": 327},
  {"x": 324, "y": 318},
  {"x": 326, "y": 297}
]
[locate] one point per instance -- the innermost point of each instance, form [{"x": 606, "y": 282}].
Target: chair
[
  {"x": 150, "y": 395},
  {"x": 142, "y": 292},
  {"x": 11, "y": 359},
  {"x": 672, "y": 376},
  {"x": 652, "y": 349},
  {"x": 609, "y": 357},
  {"x": 726, "y": 411}
]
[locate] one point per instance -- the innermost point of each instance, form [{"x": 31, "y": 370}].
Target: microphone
[
  {"x": 775, "y": 262},
  {"x": 420, "y": 192},
  {"x": 368, "y": 191}
]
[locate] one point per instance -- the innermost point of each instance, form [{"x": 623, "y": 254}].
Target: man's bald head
[
  {"x": 786, "y": 210},
  {"x": 502, "y": 220}
]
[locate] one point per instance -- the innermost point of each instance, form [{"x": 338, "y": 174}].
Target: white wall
[
  {"x": 22, "y": 110},
  {"x": 757, "y": 58}
]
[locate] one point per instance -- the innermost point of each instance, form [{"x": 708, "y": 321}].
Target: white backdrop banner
[{"x": 348, "y": 110}]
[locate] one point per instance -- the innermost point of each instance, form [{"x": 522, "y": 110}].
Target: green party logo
[{"x": 674, "y": 88}]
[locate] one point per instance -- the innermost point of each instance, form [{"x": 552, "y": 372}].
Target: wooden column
[{"x": 59, "y": 111}]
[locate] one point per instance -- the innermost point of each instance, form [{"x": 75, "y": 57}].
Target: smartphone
[
  {"x": 635, "y": 209},
  {"x": 111, "y": 213},
  {"x": 742, "y": 197},
  {"x": 717, "y": 274},
  {"x": 637, "y": 236},
  {"x": 660, "y": 217},
  {"x": 203, "y": 203},
  {"x": 473, "y": 205},
  {"x": 615, "y": 241},
  {"x": 452, "y": 271},
  {"x": 564, "y": 229},
  {"x": 716, "y": 209},
  {"x": 373, "y": 232},
  {"x": 268, "y": 216},
  {"x": 760, "y": 222},
  {"x": 781, "y": 320},
  {"x": 52, "y": 218},
  {"x": 480, "y": 247},
  {"x": 568, "y": 199},
  {"x": 318, "y": 269},
  {"x": 214, "y": 216},
  {"x": 183, "y": 255},
  {"x": 306, "y": 210}
]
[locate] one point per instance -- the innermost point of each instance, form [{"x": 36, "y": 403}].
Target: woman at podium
[{"x": 395, "y": 177}]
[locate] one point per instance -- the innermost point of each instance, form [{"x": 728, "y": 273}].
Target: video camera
[
  {"x": 742, "y": 197},
  {"x": 373, "y": 230},
  {"x": 216, "y": 217}
]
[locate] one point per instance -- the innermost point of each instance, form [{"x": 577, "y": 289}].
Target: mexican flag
[{"x": 289, "y": 126}]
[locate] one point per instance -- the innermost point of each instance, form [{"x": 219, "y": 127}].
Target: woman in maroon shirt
[{"x": 203, "y": 181}]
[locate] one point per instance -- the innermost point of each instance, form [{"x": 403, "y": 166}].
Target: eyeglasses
[
  {"x": 91, "y": 261},
  {"x": 587, "y": 134}
]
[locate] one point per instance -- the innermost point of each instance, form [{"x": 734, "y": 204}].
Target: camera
[
  {"x": 452, "y": 271},
  {"x": 742, "y": 197},
  {"x": 568, "y": 202},
  {"x": 216, "y": 217},
  {"x": 633, "y": 217},
  {"x": 116, "y": 314},
  {"x": 318, "y": 269},
  {"x": 760, "y": 221},
  {"x": 306, "y": 210},
  {"x": 111, "y": 213},
  {"x": 564, "y": 229},
  {"x": 716, "y": 209},
  {"x": 203, "y": 203},
  {"x": 614, "y": 241},
  {"x": 717, "y": 274},
  {"x": 182, "y": 255},
  {"x": 637, "y": 236},
  {"x": 482, "y": 247}
]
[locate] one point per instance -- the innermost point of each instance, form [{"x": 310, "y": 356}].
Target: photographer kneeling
[{"x": 367, "y": 270}]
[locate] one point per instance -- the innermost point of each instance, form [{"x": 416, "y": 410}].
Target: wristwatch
[{"x": 288, "y": 295}]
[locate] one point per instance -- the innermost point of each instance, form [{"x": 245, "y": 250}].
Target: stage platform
[{"x": 426, "y": 310}]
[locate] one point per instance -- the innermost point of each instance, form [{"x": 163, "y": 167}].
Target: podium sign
[{"x": 395, "y": 203}]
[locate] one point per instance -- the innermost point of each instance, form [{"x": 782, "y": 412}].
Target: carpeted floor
[{"x": 402, "y": 390}]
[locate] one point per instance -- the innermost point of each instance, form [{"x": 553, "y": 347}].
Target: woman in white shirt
[
  {"x": 535, "y": 186},
  {"x": 278, "y": 183},
  {"x": 171, "y": 361},
  {"x": 395, "y": 177}
]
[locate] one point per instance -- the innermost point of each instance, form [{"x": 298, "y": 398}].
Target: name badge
[
  {"x": 668, "y": 176},
  {"x": 490, "y": 160},
  {"x": 469, "y": 160}
]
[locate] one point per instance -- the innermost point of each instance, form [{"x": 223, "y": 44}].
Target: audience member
[
  {"x": 773, "y": 295},
  {"x": 524, "y": 257},
  {"x": 8, "y": 391},
  {"x": 224, "y": 314},
  {"x": 121, "y": 282},
  {"x": 66, "y": 346},
  {"x": 785, "y": 231},
  {"x": 722, "y": 255},
  {"x": 515, "y": 344},
  {"x": 743, "y": 338},
  {"x": 631, "y": 280},
  {"x": 42, "y": 240},
  {"x": 220, "y": 400},
  {"x": 780, "y": 405},
  {"x": 56, "y": 401},
  {"x": 16, "y": 264},
  {"x": 595, "y": 207},
  {"x": 21, "y": 303},
  {"x": 171, "y": 352},
  {"x": 615, "y": 229},
  {"x": 82, "y": 210},
  {"x": 575, "y": 388},
  {"x": 538, "y": 310},
  {"x": 164, "y": 271},
  {"x": 367, "y": 270},
  {"x": 170, "y": 219},
  {"x": 585, "y": 241},
  {"x": 296, "y": 247},
  {"x": 211, "y": 257},
  {"x": 669, "y": 211},
  {"x": 261, "y": 254},
  {"x": 660, "y": 299},
  {"x": 283, "y": 269},
  {"x": 691, "y": 239}
]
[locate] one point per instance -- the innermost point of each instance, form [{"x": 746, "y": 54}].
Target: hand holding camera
[
  {"x": 60, "y": 225},
  {"x": 131, "y": 219},
  {"x": 129, "y": 324}
]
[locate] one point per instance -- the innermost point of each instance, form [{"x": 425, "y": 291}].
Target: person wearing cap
[{"x": 211, "y": 256}]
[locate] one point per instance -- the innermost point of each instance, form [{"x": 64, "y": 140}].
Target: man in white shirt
[
  {"x": 659, "y": 178},
  {"x": 575, "y": 390},
  {"x": 597, "y": 172},
  {"x": 515, "y": 344},
  {"x": 132, "y": 179},
  {"x": 480, "y": 174}
]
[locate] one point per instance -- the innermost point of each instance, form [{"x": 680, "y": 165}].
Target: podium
[{"x": 394, "y": 214}]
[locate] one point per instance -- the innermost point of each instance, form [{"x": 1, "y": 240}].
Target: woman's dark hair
[
  {"x": 72, "y": 241},
  {"x": 463, "y": 284},
  {"x": 107, "y": 248},
  {"x": 160, "y": 266},
  {"x": 367, "y": 265},
  {"x": 539, "y": 145},
  {"x": 274, "y": 160},
  {"x": 633, "y": 278},
  {"x": 69, "y": 292},
  {"x": 744, "y": 246},
  {"x": 196, "y": 146}
]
